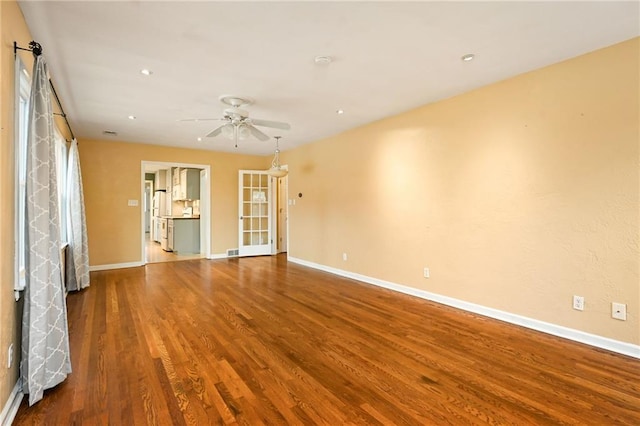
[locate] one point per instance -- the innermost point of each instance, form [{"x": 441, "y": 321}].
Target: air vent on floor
[{"x": 232, "y": 252}]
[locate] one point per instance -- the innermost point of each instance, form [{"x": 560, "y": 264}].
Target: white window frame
[
  {"x": 62, "y": 155},
  {"x": 21, "y": 116}
]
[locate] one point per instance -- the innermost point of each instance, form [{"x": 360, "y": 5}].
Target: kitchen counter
[
  {"x": 180, "y": 217},
  {"x": 183, "y": 234}
]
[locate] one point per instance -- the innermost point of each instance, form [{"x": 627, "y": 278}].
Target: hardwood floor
[
  {"x": 153, "y": 253},
  {"x": 262, "y": 341}
]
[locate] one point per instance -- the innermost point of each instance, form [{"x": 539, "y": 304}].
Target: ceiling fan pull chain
[{"x": 235, "y": 134}]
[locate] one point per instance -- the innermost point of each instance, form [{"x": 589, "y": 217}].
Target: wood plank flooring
[
  {"x": 153, "y": 253},
  {"x": 261, "y": 341}
]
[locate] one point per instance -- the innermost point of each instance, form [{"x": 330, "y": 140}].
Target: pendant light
[{"x": 276, "y": 169}]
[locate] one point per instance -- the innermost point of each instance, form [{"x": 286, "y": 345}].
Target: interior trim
[
  {"x": 10, "y": 409},
  {"x": 217, "y": 256},
  {"x": 115, "y": 266},
  {"x": 544, "y": 327}
]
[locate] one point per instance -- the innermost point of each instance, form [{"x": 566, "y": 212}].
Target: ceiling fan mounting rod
[{"x": 235, "y": 101}]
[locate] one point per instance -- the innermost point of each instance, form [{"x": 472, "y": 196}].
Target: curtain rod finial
[{"x": 35, "y": 48}]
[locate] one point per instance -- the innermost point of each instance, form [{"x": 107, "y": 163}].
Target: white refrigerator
[{"x": 159, "y": 210}]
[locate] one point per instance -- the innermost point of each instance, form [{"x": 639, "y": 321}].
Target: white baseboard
[
  {"x": 545, "y": 327},
  {"x": 217, "y": 256},
  {"x": 115, "y": 266},
  {"x": 10, "y": 409}
]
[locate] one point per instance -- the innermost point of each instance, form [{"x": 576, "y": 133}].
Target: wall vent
[{"x": 232, "y": 252}]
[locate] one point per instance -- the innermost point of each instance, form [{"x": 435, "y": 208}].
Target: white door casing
[
  {"x": 283, "y": 208},
  {"x": 205, "y": 214}
]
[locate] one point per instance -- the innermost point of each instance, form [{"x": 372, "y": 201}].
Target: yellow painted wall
[
  {"x": 517, "y": 195},
  {"x": 111, "y": 174},
  {"x": 13, "y": 28}
]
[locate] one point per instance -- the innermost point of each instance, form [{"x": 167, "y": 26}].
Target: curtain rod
[{"x": 36, "y": 49}]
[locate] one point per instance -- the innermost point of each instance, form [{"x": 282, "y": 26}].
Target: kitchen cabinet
[
  {"x": 161, "y": 180},
  {"x": 184, "y": 235},
  {"x": 164, "y": 236},
  {"x": 170, "y": 236},
  {"x": 176, "y": 175},
  {"x": 190, "y": 184},
  {"x": 176, "y": 193},
  {"x": 168, "y": 180}
]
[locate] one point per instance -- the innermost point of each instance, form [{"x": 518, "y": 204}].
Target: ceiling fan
[{"x": 237, "y": 124}]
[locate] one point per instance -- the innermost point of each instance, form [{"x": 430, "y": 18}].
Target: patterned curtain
[
  {"x": 45, "y": 338},
  {"x": 77, "y": 265}
]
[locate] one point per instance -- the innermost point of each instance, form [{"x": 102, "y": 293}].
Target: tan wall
[
  {"x": 111, "y": 173},
  {"x": 516, "y": 196},
  {"x": 13, "y": 28}
]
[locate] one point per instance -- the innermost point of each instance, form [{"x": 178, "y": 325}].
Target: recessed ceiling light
[
  {"x": 146, "y": 71},
  {"x": 132, "y": 117},
  {"x": 468, "y": 57},
  {"x": 199, "y": 139},
  {"x": 340, "y": 111},
  {"x": 323, "y": 60}
]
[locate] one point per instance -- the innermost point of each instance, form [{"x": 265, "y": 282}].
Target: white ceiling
[{"x": 389, "y": 57}]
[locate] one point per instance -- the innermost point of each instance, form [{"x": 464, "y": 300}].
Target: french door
[{"x": 255, "y": 213}]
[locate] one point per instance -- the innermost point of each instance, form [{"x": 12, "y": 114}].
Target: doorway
[
  {"x": 170, "y": 206},
  {"x": 282, "y": 212},
  {"x": 255, "y": 206}
]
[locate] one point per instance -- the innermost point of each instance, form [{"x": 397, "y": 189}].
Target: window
[
  {"x": 23, "y": 91},
  {"x": 61, "y": 170}
]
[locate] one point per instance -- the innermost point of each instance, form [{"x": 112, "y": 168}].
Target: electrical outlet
[
  {"x": 578, "y": 303},
  {"x": 344, "y": 256},
  {"x": 10, "y": 356},
  {"x": 619, "y": 311},
  {"x": 426, "y": 273}
]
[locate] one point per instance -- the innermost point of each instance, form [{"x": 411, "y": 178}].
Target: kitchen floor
[{"x": 155, "y": 254}]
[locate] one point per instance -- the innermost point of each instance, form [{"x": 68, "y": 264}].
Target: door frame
[
  {"x": 275, "y": 195},
  {"x": 205, "y": 201},
  {"x": 148, "y": 204}
]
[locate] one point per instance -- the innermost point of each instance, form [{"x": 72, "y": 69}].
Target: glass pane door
[{"x": 255, "y": 213}]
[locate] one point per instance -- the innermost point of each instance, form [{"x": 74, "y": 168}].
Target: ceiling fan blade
[
  {"x": 200, "y": 119},
  {"x": 272, "y": 124},
  {"x": 215, "y": 132},
  {"x": 258, "y": 134}
]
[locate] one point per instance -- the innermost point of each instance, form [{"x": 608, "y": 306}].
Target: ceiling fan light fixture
[
  {"x": 244, "y": 131},
  {"x": 228, "y": 130}
]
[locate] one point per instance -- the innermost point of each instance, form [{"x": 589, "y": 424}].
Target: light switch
[{"x": 132, "y": 203}]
